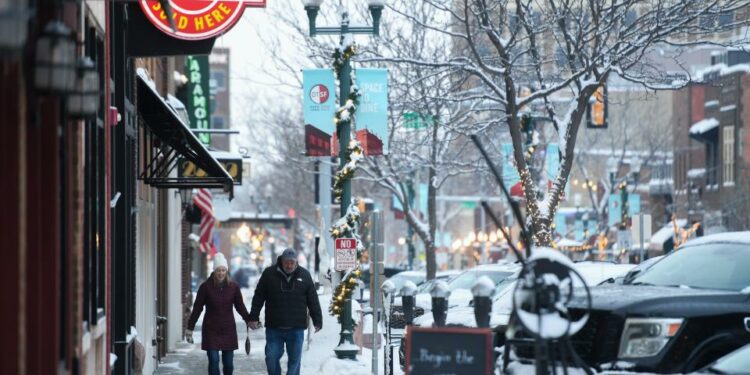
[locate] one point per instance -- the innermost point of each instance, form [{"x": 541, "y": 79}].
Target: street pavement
[{"x": 189, "y": 359}]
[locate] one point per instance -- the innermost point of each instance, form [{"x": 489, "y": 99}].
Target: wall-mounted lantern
[
  {"x": 83, "y": 101},
  {"x": 55, "y": 59}
]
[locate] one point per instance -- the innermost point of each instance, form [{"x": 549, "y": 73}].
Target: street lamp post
[{"x": 346, "y": 348}]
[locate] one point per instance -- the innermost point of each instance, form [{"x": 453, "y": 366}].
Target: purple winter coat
[{"x": 219, "y": 329}]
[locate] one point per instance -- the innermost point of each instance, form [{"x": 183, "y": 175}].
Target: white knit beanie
[{"x": 220, "y": 261}]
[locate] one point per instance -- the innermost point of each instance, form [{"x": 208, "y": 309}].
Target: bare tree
[{"x": 547, "y": 58}]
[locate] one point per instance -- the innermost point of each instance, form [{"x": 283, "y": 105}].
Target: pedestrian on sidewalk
[
  {"x": 218, "y": 294},
  {"x": 288, "y": 292}
]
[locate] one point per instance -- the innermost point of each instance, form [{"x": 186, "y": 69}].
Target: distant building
[
  {"x": 711, "y": 157},
  {"x": 220, "y": 96}
]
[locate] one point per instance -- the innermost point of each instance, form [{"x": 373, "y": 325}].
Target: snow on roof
[
  {"x": 723, "y": 70},
  {"x": 736, "y": 237},
  {"x": 666, "y": 232},
  {"x": 704, "y": 125},
  {"x": 696, "y": 173}
]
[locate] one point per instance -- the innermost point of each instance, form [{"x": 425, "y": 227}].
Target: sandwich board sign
[{"x": 449, "y": 351}]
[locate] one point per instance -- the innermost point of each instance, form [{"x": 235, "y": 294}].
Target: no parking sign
[{"x": 346, "y": 254}]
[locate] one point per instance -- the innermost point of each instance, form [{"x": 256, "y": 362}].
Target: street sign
[
  {"x": 197, "y": 19},
  {"x": 448, "y": 350},
  {"x": 624, "y": 239},
  {"x": 345, "y": 250}
]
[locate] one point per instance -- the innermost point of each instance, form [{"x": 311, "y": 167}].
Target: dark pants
[
  {"x": 275, "y": 340},
  {"x": 227, "y": 358}
]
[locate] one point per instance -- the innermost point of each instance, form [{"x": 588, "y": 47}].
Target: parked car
[
  {"x": 679, "y": 315},
  {"x": 736, "y": 362},
  {"x": 247, "y": 276}
]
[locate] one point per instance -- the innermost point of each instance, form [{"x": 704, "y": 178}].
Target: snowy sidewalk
[{"x": 318, "y": 358}]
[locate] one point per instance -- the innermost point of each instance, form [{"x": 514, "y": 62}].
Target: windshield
[
  {"x": 466, "y": 280},
  {"x": 736, "y": 362},
  {"x": 709, "y": 266}
]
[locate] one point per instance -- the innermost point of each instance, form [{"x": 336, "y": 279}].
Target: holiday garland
[{"x": 347, "y": 225}]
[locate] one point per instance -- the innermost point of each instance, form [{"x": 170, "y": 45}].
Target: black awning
[{"x": 167, "y": 139}]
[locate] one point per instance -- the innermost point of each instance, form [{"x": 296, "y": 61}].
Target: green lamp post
[{"x": 346, "y": 348}]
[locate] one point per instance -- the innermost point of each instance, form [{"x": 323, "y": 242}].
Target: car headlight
[{"x": 646, "y": 337}]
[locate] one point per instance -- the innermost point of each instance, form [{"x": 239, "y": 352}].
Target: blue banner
[
  {"x": 560, "y": 224},
  {"x": 552, "y": 161},
  {"x": 319, "y": 104},
  {"x": 509, "y": 171},
  {"x": 634, "y": 204},
  {"x": 423, "y": 192},
  {"x": 372, "y": 114}
]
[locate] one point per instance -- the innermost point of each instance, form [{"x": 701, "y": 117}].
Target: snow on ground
[{"x": 320, "y": 357}]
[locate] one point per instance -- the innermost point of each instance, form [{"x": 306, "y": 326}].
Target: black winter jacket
[{"x": 286, "y": 302}]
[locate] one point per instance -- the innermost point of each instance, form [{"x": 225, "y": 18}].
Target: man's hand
[
  {"x": 189, "y": 336},
  {"x": 253, "y": 325},
  {"x": 317, "y": 329}
]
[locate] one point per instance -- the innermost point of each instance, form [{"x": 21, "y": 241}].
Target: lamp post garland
[{"x": 350, "y": 153}]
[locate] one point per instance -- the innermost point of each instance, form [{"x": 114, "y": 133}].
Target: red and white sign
[
  {"x": 319, "y": 94},
  {"x": 197, "y": 19},
  {"x": 346, "y": 254}
]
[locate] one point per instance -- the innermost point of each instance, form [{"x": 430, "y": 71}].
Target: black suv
[{"x": 682, "y": 313}]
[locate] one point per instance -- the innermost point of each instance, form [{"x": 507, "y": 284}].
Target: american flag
[{"x": 204, "y": 201}]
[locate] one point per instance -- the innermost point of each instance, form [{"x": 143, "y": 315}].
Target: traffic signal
[{"x": 596, "y": 115}]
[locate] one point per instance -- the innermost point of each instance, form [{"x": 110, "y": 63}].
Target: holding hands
[{"x": 189, "y": 336}]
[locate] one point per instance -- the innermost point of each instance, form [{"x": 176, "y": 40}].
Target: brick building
[{"x": 711, "y": 158}]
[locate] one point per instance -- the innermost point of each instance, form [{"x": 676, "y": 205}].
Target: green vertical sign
[{"x": 198, "y": 95}]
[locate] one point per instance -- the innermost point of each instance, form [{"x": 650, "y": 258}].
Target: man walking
[{"x": 288, "y": 292}]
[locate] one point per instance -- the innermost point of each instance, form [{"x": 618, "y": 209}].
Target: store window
[{"x": 728, "y": 155}]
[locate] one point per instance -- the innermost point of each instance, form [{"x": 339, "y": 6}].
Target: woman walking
[{"x": 218, "y": 294}]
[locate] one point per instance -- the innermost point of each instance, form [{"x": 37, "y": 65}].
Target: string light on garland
[
  {"x": 354, "y": 154},
  {"x": 343, "y": 291}
]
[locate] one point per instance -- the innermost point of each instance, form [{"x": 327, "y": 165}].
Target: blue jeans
[
  {"x": 227, "y": 357},
  {"x": 275, "y": 340}
]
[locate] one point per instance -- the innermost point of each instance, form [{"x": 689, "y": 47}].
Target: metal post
[
  {"x": 640, "y": 225},
  {"x": 347, "y": 325},
  {"x": 409, "y": 229},
  {"x": 376, "y": 269}
]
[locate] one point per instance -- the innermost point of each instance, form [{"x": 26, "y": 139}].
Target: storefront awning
[
  {"x": 167, "y": 139},
  {"x": 706, "y": 130}
]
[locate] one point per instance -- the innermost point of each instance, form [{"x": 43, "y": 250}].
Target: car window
[
  {"x": 709, "y": 266},
  {"x": 425, "y": 288},
  {"x": 466, "y": 280},
  {"x": 736, "y": 362}
]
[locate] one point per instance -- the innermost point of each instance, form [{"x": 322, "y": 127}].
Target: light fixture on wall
[
  {"x": 13, "y": 26},
  {"x": 55, "y": 56},
  {"x": 83, "y": 101}
]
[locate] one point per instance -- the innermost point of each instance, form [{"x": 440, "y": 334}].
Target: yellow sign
[{"x": 233, "y": 166}]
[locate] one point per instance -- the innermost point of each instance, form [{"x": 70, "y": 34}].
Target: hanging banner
[
  {"x": 319, "y": 109},
  {"x": 198, "y": 95},
  {"x": 372, "y": 114},
  {"x": 561, "y": 225},
  {"x": 197, "y": 19},
  {"x": 615, "y": 207}
]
